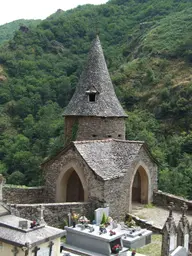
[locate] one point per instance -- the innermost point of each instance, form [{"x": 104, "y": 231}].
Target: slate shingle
[
  {"x": 11, "y": 233},
  {"x": 109, "y": 158},
  {"x": 95, "y": 78}
]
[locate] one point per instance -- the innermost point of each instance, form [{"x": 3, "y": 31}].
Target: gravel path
[{"x": 156, "y": 214}]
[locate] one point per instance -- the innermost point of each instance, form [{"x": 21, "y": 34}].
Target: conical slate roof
[{"x": 95, "y": 79}]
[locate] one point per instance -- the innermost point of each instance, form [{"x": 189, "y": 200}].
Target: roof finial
[
  {"x": 170, "y": 207},
  {"x": 184, "y": 209}
]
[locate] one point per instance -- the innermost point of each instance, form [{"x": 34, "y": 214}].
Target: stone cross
[
  {"x": 169, "y": 233},
  {"x": 183, "y": 229},
  {"x": 35, "y": 250},
  {"x": 184, "y": 209},
  {"x": 15, "y": 251},
  {"x": 14, "y": 210},
  {"x": 41, "y": 211},
  {"x": 26, "y": 252},
  {"x": 171, "y": 207},
  {"x": 26, "y": 248},
  {"x": 50, "y": 248}
]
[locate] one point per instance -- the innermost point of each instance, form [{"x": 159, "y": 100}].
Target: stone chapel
[{"x": 97, "y": 163}]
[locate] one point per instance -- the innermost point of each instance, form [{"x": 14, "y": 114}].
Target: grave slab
[
  {"x": 137, "y": 241},
  {"x": 135, "y": 237}
]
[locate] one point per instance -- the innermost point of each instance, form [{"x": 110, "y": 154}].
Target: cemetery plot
[{"x": 94, "y": 242}]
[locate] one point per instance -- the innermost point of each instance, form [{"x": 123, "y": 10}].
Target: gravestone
[
  {"x": 169, "y": 234},
  {"x": 99, "y": 214},
  {"x": 179, "y": 251},
  {"x": 183, "y": 229}
]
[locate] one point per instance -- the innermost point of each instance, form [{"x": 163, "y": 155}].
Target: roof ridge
[
  {"x": 108, "y": 140},
  {"x": 91, "y": 141},
  {"x": 131, "y": 141}
]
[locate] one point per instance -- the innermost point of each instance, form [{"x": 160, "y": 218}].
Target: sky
[{"x": 11, "y": 10}]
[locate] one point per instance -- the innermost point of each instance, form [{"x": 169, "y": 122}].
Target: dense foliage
[
  {"x": 7, "y": 30},
  {"x": 148, "y": 48}
]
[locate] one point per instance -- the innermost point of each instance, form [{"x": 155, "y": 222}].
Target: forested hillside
[
  {"x": 148, "y": 49},
  {"x": 7, "y": 30}
]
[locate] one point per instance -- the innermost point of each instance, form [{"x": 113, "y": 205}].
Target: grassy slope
[{"x": 160, "y": 59}]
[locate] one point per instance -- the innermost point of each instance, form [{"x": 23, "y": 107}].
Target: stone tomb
[
  {"x": 136, "y": 237},
  {"x": 92, "y": 243},
  {"x": 67, "y": 253},
  {"x": 179, "y": 251}
]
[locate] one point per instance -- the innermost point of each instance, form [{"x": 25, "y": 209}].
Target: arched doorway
[
  {"x": 71, "y": 186},
  {"x": 140, "y": 186},
  {"x": 75, "y": 191}
]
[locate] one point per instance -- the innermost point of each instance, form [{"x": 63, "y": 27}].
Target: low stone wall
[
  {"x": 28, "y": 195},
  {"x": 55, "y": 214},
  {"x": 144, "y": 224},
  {"x": 163, "y": 199}
]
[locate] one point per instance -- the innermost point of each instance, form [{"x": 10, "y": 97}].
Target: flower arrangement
[
  {"x": 34, "y": 224},
  {"x": 104, "y": 219},
  {"x": 116, "y": 248},
  {"x": 112, "y": 233},
  {"x": 83, "y": 220},
  {"x": 109, "y": 220},
  {"x": 133, "y": 253},
  {"x": 74, "y": 216},
  {"x": 102, "y": 229}
]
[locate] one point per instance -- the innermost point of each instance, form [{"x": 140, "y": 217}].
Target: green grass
[
  {"x": 150, "y": 205},
  {"x": 152, "y": 249}
]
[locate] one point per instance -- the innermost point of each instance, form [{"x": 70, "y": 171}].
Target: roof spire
[{"x": 95, "y": 95}]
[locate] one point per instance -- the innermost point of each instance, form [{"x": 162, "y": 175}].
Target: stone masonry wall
[
  {"x": 144, "y": 224},
  {"x": 113, "y": 197},
  {"x": 54, "y": 214},
  {"x": 95, "y": 128},
  {"x": 53, "y": 173},
  {"x": 163, "y": 199},
  {"x": 30, "y": 195},
  {"x": 118, "y": 192}
]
